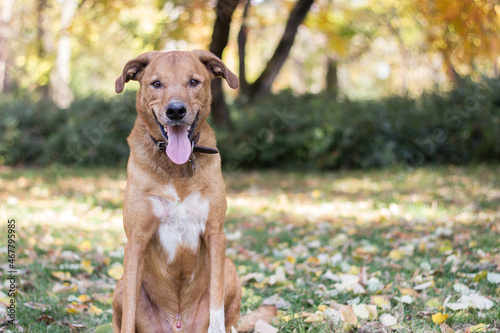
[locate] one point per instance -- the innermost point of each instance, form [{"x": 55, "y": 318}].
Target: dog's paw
[{"x": 217, "y": 322}]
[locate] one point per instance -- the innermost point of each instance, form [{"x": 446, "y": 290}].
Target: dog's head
[{"x": 174, "y": 95}]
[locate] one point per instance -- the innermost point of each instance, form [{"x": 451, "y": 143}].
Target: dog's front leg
[
  {"x": 139, "y": 236},
  {"x": 217, "y": 248},
  {"x": 132, "y": 279}
]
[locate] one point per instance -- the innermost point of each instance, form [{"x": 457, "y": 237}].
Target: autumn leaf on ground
[
  {"x": 84, "y": 298},
  {"x": 439, "y": 318},
  {"x": 381, "y": 301},
  {"x": 94, "y": 310},
  {"x": 84, "y": 246},
  {"x": 63, "y": 276},
  {"x": 116, "y": 271},
  {"x": 348, "y": 316},
  {"x": 388, "y": 320},
  {"x": 478, "y": 328},
  {"x": 59, "y": 288},
  {"x": 446, "y": 329},
  {"x": 364, "y": 311},
  {"x": 75, "y": 307},
  {"x": 87, "y": 266}
]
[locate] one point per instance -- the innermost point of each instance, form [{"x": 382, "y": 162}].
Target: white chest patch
[{"x": 181, "y": 222}]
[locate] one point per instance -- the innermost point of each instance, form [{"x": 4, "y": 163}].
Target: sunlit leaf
[
  {"x": 95, "y": 310},
  {"x": 84, "y": 246},
  {"x": 116, "y": 271},
  {"x": 87, "y": 266},
  {"x": 478, "y": 328},
  {"x": 381, "y": 301},
  {"x": 84, "y": 298},
  {"x": 315, "y": 317},
  {"x": 63, "y": 276},
  {"x": 439, "y": 318}
]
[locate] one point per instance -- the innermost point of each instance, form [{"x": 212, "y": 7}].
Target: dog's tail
[{"x": 266, "y": 313}]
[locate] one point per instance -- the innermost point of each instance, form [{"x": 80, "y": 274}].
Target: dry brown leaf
[
  {"x": 446, "y": 329},
  {"x": 47, "y": 320}
]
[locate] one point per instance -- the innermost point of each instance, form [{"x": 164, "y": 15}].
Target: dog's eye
[
  {"x": 156, "y": 84},
  {"x": 194, "y": 83}
]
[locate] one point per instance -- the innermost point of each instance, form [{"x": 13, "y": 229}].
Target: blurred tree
[
  {"x": 60, "y": 78},
  {"x": 349, "y": 31},
  {"x": 262, "y": 85},
  {"x": 220, "y": 37},
  {"x": 461, "y": 31},
  {"x": 5, "y": 63},
  {"x": 42, "y": 42}
]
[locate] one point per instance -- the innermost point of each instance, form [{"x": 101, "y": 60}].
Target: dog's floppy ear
[
  {"x": 133, "y": 70},
  {"x": 217, "y": 67}
]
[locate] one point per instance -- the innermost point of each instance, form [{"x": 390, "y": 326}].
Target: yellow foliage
[{"x": 439, "y": 318}]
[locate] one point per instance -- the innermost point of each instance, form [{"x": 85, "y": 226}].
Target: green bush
[
  {"x": 92, "y": 131},
  {"x": 282, "y": 131},
  {"x": 458, "y": 127}
]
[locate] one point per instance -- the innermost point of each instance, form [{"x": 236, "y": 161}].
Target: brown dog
[{"x": 176, "y": 276}]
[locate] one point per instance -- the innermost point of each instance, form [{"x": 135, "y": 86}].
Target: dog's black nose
[{"x": 176, "y": 110}]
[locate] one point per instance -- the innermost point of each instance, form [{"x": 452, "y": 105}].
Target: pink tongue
[{"x": 178, "y": 147}]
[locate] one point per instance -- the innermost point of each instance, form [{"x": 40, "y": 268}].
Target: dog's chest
[{"x": 181, "y": 222}]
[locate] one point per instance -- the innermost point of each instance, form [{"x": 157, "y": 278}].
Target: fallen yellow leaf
[
  {"x": 354, "y": 270},
  {"x": 290, "y": 317},
  {"x": 312, "y": 260},
  {"x": 95, "y": 310},
  {"x": 480, "y": 276},
  {"x": 291, "y": 259},
  {"x": 478, "y": 328},
  {"x": 84, "y": 246},
  {"x": 381, "y": 301},
  {"x": 322, "y": 307},
  {"x": 439, "y": 318},
  {"x": 65, "y": 287},
  {"x": 116, "y": 271},
  {"x": 84, "y": 298},
  {"x": 87, "y": 266},
  {"x": 74, "y": 307},
  {"x": 408, "y": 291},
  {"x": 63, "y": 276},
  {"x": 315, "y": 317},
  {"x": 397, "y": 254}
]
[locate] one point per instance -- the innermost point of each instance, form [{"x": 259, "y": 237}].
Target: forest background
[{"x": 323, "y": 84}]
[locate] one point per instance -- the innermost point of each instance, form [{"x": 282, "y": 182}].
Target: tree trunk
[
  {"x": 43, "y": 88},
  {"x": 262, "y": 86},
  {"x": 220, "y": 36},
  {"x": 60, "y": 78},
  {"x": 242, "y": 41},
  {"x": 5, "y": 17},
  {"x": 332, "y": 80}
]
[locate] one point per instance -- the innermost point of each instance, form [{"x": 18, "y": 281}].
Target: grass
[{"x": 294, "y": 235}]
